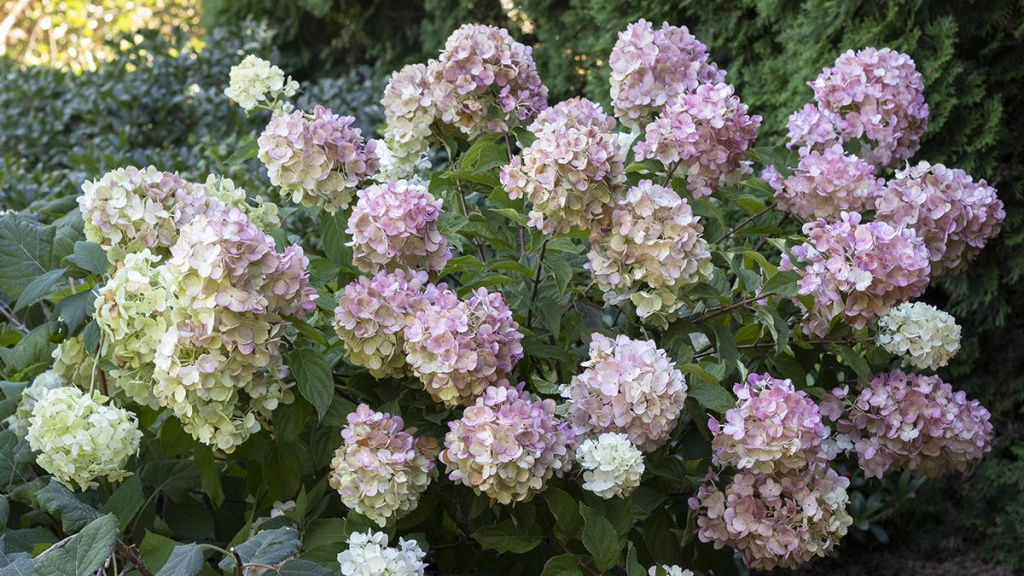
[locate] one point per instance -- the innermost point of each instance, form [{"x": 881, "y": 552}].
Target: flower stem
[{"x": 536, "y": 282}]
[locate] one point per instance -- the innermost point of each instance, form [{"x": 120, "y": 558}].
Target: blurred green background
[{"x": 90, "y": 86}]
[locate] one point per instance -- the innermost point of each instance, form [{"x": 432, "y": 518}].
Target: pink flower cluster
[
  {"x": 707, "y": 131},
  {"x": 507, "y": 446},
  {"x": 394, "y": 225},
  {"x": 630, "y": 387},
  {"x": 650, "y": 251},
  {"x": 911, "y": 422},
  {"x": 460, "y": 347},
  {"x": 650, "y": 68},
  {"x": 485, "y": 80},
  {"x": 571, "y": 170},
  {"x": 825, "y": 184},
  {"x": 774, "y": 521},
  {"x": 857, "y": 271},
  {"x": 318, "y": 158},
  {"x": 876, "y": 96},
  {"x": 382, "y": 469},
  {"x": 955, "y": 215},
  {"x": 772, "y": 428},
  {"x": 371, "y": 317}
]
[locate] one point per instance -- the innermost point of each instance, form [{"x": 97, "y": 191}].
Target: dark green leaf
[
  {"x": 313, "y": 376},
  {"x": 83, "y": 554},
  {"x": 89, "y": 256},
  {"x": 267, "y": 547},
  {"x": 38, "y": 288},
  {"x": 506, "y": 537},
  {"x": 711, "y": 396},
  {"x": 564, "y": 508},
  {"x": 74, "y": 310},
  {"x": 126, "y": 501},
  {"x": 24, "y": 252},
  {"x": 783, "y": 283},
  {"x": 599, "y": 538},
  {"x": 564, "y": 565},
  {"x": 303, "y": 568},
  {"x": 185, "y": 560},
  {"x": 59, "y": 502},
  {"x": 245, "y": 151}
]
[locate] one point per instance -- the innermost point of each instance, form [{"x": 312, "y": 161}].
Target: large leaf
[
  {"x": 126, "y": 501},
  {"x": 83, "y": 554},
  {"x": 38, "y": 288},
  {"x": 506, "y": 537},
  {"x": 25, "y": 247},
  {"x": 185, "y": 560},
  {"x": 299, "y": 567},
  {"x": 61, "y": 503},
  {"x": 15, "y": 460},
  {"x": 89, "y": 256},
  {"x": 266, "y": 547},
  {"x": 564, "y": 565},
  {"x": 313, "y": 376},
  {"x": 16, "y": 563},
  {"x": 565, "y": 509},
  {"x": 599, "y": 538},
  {"x": 711, "y": 396}
]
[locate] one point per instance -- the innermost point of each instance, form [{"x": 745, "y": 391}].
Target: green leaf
[
  {"x": 711, "y": 396},
  {"x": 266, "y": 547},
  {"x": 39, "y": 288},
  {"x": 59, "y": 502},
  {"x": 513, "y": 215},
  {"x": 25, "y": 247},
  {"x": 855, "y": 361},
  {"x": 726, "y": 346},
  {"x": 506, "y": 537},
  {"x": 126, "y": 501},
  {"x": 599, "y": 538},
  {"x": 563, "y": 507},
  {"x": 89, "y": 256},
  {"x": 564, "y": 565},
  {"x": 203, "y": 457},
  {"x": 185, "y": 560},
  {"x": 633, "y": 566},
  {"x": 313, "y": 376},
  {"x": 247, "y": 150},
  {"x": 776, "y": 326},
  {"x": 15, "y": 460},
  {"x": 283, "y": 479},
  {"x": 332, "y": 232},
  {"x": 74, "y": 310},
  {"x": 83, "y": 554},
  {"x": 783, "y": 283},
  {"x": 303, "y": 568}
]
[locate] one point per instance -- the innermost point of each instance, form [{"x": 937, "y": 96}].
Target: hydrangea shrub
[{"x": 511, "y": 336}]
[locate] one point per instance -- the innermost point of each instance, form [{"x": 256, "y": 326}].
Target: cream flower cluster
[
  {"x": 127, "y": 210},
  {"x": 457, "y": 348},
  {"x": 923, "y": 335},
  {"x": 485, "y": 81},
  {"x": 73, "y": 364},
  {"x": 826, "y": 184},
  {"x": 612, "y": 466},
  {"x": 649, "y": 251},
  {"x": 507, "y": 446},
  {"x": 954, "y": 215},
  {"x": 571, "y": 170},
  {"x": 706, "y": 133},
  {"x": 408, "y": 113},
  {"x": 254, "y": 82},
  {"x": 774, "y": 521},
  {"x": 371, "y": 317},
  {"x": 368, "y": 554},
  {"x": 19, "y": 421},
  {"x": 629, "y": 386},
  {"x": 394, "y": 225},
  {"x": 773, "y": 427},
  {"x": 665, "y": 570},
  {"x": 382, "y": 469},
  {"x": 650, "y": 68},
  {"x": 911, "y": 422},
  {"x": 79, "y": 438},
  {"x": 318, "y": 159},
  {"x": 857, "y": 271}
]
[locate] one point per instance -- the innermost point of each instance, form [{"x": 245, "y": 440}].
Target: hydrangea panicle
[
  {"x": 409, "y": 112},
  {"x": 923, "y": 335},
  {"x": 254, "y": 82},
  {"x": 826, "y": 184},
  {"x": 506, "y": 445},
  {"x": 381, "y": 469},
  {"x": 628, "y": 386},
  {"x": 612, "y": 466},
  {"x": 368, "y": 554}
]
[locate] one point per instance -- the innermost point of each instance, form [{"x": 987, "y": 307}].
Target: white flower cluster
[
  {"x": 18, "y": 422},
  {"x": 923, "y": 335},
  {"x": 612, "y": 466},
  {"x": 665, "y": 570},
  {"x": 368, "y": 554},
  {"x": 256, "y": 82},
  {"x": 79, "y": 438}
]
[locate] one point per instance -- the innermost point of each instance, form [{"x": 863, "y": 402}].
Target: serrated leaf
[
  {"x": 61, "y": 503},
  {"x": 25, "y": 247},
  {"x": 633, "y": 566},
  {"x": 506, "y": 537},
  {"x": 185, "y": 560},
  {"x": 89, "y": 256},
  {"x": 313, "y": 377},
  {"x": 39, "y": 288},
  {"x": 564, "y": 565},
  {"x": 711, "y": 396},
  {"x": 783, "y": 283},
  {"x": 83, "y": 554},
  {"x": 74, "y": 310},
  {"x": 266, "y": 547},
  {"x": 564, "y": 508},
  {"x": 15, "y": 460},
  {"x": 126, "y": 501},
  {"x": 599, "y": 538}
]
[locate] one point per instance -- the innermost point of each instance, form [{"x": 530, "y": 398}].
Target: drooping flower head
[
  {"x": 857, "y": 271},
  {"x": 458, "y": 348},
  {"x": 649, "y": 251},
  {"x": 954, "y": 215},
  {"x": 127, "y": 210},
  {"x": 368, "y": 554},
  {"x": 256, "y": 82},
  {"x": 774, "y": 521},
  {"x": 650, "y": 68},
  {"x": 772, "y": 428},
  {"x": 612, "y": 465},
  {"x": 485, "y": 81},
  {"x": 409, "y": 112},
  {"x": 571, "y": 170},
  {"x": 628, "y": 386},
  {"x": 912, "y": 422},
  {"x": 382, "y": 469},
  {"x": 507, "y": 446},
  {"x": 826, "y": 184},
  {"x": 923, "y": 335},
  {"x": 371, "y": 317},
  {"x": 707, "y": 132},
  {"x": 79, "y": 437},
  {"x": 394, "y": 225},
  {"x": 318, "y": 159}
]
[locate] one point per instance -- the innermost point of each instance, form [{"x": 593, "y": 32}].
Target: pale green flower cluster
[
  {"x": 256, "y": 83},
  {"x": 74, "y": 365},
  {"x": 79, "y": 438},
  {"x": 18, "y": 422}
]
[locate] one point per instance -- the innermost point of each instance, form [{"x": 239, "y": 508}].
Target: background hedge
[{"x": 160, "y": 102}]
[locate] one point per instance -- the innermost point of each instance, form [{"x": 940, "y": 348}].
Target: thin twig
[
  {"x": 536, "y": 282},
  {"x": 745, "y": 222},
  {"x": 12, "y": 320},
  {"x": 133, "y": 556}
]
